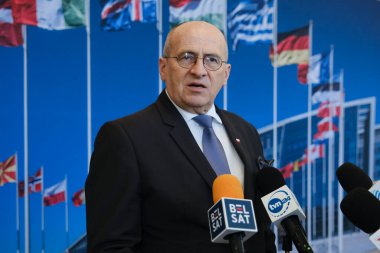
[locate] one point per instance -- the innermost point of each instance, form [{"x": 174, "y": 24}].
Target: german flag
[{"x": 292, "y": 47}]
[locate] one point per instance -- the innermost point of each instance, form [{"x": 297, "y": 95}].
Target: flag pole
[
  {"x": 225, "y": 89},
  {"x": 341, "y": 157},
  {"x": 17, "y": 207},
  {"x": 275, "y": 94},
  {"x": 67, "y": 216},
  {"x": 159, "y": 28},
  {"x": 331, "y": 160},
  {"x": 309, "y": 205},
  {"x": 89, "y": 116},
  {"x": 42, "y": 210},
  {"x": 26, "y": 197}
]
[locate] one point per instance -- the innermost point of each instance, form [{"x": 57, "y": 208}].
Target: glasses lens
[
  {"x": 186, "y": 60},
  {"x": 212, "y": 62}
]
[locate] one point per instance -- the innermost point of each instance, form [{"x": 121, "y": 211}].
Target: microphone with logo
[
  {"x": 350, "y": 177},
  {"x": 231, "y": 218},
  {"x": 363, "y": 209},
  {"x": 282, "y": 206}
]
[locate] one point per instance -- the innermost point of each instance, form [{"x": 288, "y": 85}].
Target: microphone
[
  {"x": 363, "y": 209},
  {"x": 351, "y": 177},
  {"x": 282, "y": 206},
  {"x": 231, "y": 218}
]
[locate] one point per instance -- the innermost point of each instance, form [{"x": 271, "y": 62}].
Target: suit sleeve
[{"x": 113, "y": 200}]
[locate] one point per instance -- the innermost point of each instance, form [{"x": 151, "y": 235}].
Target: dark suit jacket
[{"x": 150, "y": 186}]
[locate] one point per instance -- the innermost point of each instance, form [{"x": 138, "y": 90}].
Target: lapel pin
[{"x": 237, "y": 140}]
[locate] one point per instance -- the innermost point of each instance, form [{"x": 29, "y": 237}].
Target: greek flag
[{"x": 251, "y": 22}]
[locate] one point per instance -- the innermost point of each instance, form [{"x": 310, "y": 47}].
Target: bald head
[{"x": 201, "y": 29}]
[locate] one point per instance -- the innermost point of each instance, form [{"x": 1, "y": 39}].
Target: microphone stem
[{"x": 236, "y": 242}]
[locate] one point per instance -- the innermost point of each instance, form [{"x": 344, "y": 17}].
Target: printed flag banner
[
  {"x": 50, "y": 14},
  {"x": 292, "y": 47},
  {"x": 10, "y": 33},
  {"x": 118, "y": 14},
  {"x": 319, "y": 69},
  {"x": 8, "y": 170},
  {"x": 212, "y": 11},
  {"x": 34, "y": 185},
  {"x": 79, "y": 198},
  {"x": 326, "y": 93},
  {"x": 55, "y": 194},
  {"x": 251, "y": 22}
]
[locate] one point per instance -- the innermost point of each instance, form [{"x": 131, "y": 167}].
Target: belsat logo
[
  {"x": 278, "y": 203},
  {"x": 239, "y": 213}
]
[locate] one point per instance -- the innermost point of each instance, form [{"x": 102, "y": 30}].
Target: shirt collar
[{"x": 187, "y": 116}]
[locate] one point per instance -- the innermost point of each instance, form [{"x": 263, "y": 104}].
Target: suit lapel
[{"x": 183, "y": 137}]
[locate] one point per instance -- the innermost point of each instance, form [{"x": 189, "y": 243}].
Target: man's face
[{"x": 194, "y": 89}]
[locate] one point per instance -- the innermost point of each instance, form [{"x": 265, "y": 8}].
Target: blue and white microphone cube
[
  {"x": 281, "y": 204},
  {"x": 229, "y": 216}
]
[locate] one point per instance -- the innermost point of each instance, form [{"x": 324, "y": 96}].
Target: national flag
[
  {"x": 316, "y": 151},
  {"x": 302, "y": 70},
  {"x": 326, "y": 92},
  {"x": 79, "y": 198},
  {"x": 325, "y": 109},
  {"x": 50, "y": 14},
  {"x": 321, "y": 137},
  {"x": 319, "y": 68},
  {"x": 211, "y": 11},
  {"x": 118, "y": 14},
  {"x": 34, "y": 184},
  {"x": 251, "y": 22},
  {"x": 287, "y": 170},
  {"x": 55, "y": 194},
  {"x": 292, "y": 47},
  {"x": 8, "y": 170},
  {"x": 10, "y": 33},
  {"x": 324, "y": 124}
]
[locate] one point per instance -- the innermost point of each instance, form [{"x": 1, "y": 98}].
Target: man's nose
[{"x": 198, "y": 68}]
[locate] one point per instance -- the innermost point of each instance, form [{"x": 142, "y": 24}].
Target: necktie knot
[{"x": 204, "y": 120}]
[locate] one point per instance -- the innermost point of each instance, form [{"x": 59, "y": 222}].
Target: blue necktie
[{"x": 212, "y": 148}]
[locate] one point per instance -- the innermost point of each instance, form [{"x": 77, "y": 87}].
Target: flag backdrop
[
  {"x": 292, "y": 47},
  {"x": 251, "y": 22},
  {"x": 8, "y": 170},
  {"x": 55, "y": 194},
  {"x": 118, "y": 14},
  {"x": 49, "y": 14},
  {"x": 79, "y": 198},
  {"x": 10, "y": 33},
  {"x": 326, "y": 92},
  {"x": 212, "y": 11},
  {"x": 34, "y": 184},
  {"x": 319, "y": 68}
]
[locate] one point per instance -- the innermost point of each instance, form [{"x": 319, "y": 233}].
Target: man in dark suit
[{"x": 150, "y": 184}]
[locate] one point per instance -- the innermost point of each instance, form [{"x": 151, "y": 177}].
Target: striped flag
[
  {"x": 292, "y": 47},
  {"x": 326, "y": 93},
  {"x": 50, "y": 14},
  {"x": 118, "y": 14},
  {"x": 79, "y": 198},
  {"x": 8, "y": 170},
  {"x": 55, "y": 194},
  {"x": 10, "y": 33},
  {"x": 211, "y": 11},
  {"x": 319, "y": 68},
  {"x": 251, "y": 22}
]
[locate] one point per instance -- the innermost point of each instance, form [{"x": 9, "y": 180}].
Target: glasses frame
[{"x": 203, "y": 61}]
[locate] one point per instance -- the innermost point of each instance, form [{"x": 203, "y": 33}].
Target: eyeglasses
[{"x": 187, "y": 60}]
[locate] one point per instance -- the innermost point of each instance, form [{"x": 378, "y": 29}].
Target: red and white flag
[
  {"x": 10, "y": 33},
  {"x": 8, "y": 170},
  {"x": 34, "y": 185},
  {"x": 316, "y": 151},
  {"x": 55, "y": 194},
  {"x": 79, "y": 198},
  {"x": 324, "y": 110}
]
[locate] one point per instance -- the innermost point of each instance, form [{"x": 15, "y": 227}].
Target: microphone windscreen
[
  {"x": 350, "y": 177},
  {"x": 269, "y": 179},
  {"x": 227, "y": 186},
  {"x": 362, "y": 209}
]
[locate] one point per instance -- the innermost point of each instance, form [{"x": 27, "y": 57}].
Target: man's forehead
[{"x": 199, "y": 44}]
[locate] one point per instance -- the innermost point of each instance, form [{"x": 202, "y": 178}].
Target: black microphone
[
  {"x": 350, "y": 177},
  {"x": 362, "y": 209},
  {"x": 282, "y": 206}
]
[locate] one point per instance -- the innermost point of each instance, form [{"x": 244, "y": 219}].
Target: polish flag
[
  {"x": 79, "y": 198},
  {"x": 55, "y": 194}
]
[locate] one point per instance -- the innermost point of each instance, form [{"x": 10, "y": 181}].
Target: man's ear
[
  {"x": 162, "y": 67},
  {"x": 227, "y": 71}
]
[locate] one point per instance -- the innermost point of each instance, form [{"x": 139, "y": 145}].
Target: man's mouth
[{"x": 197, "y": 85}]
